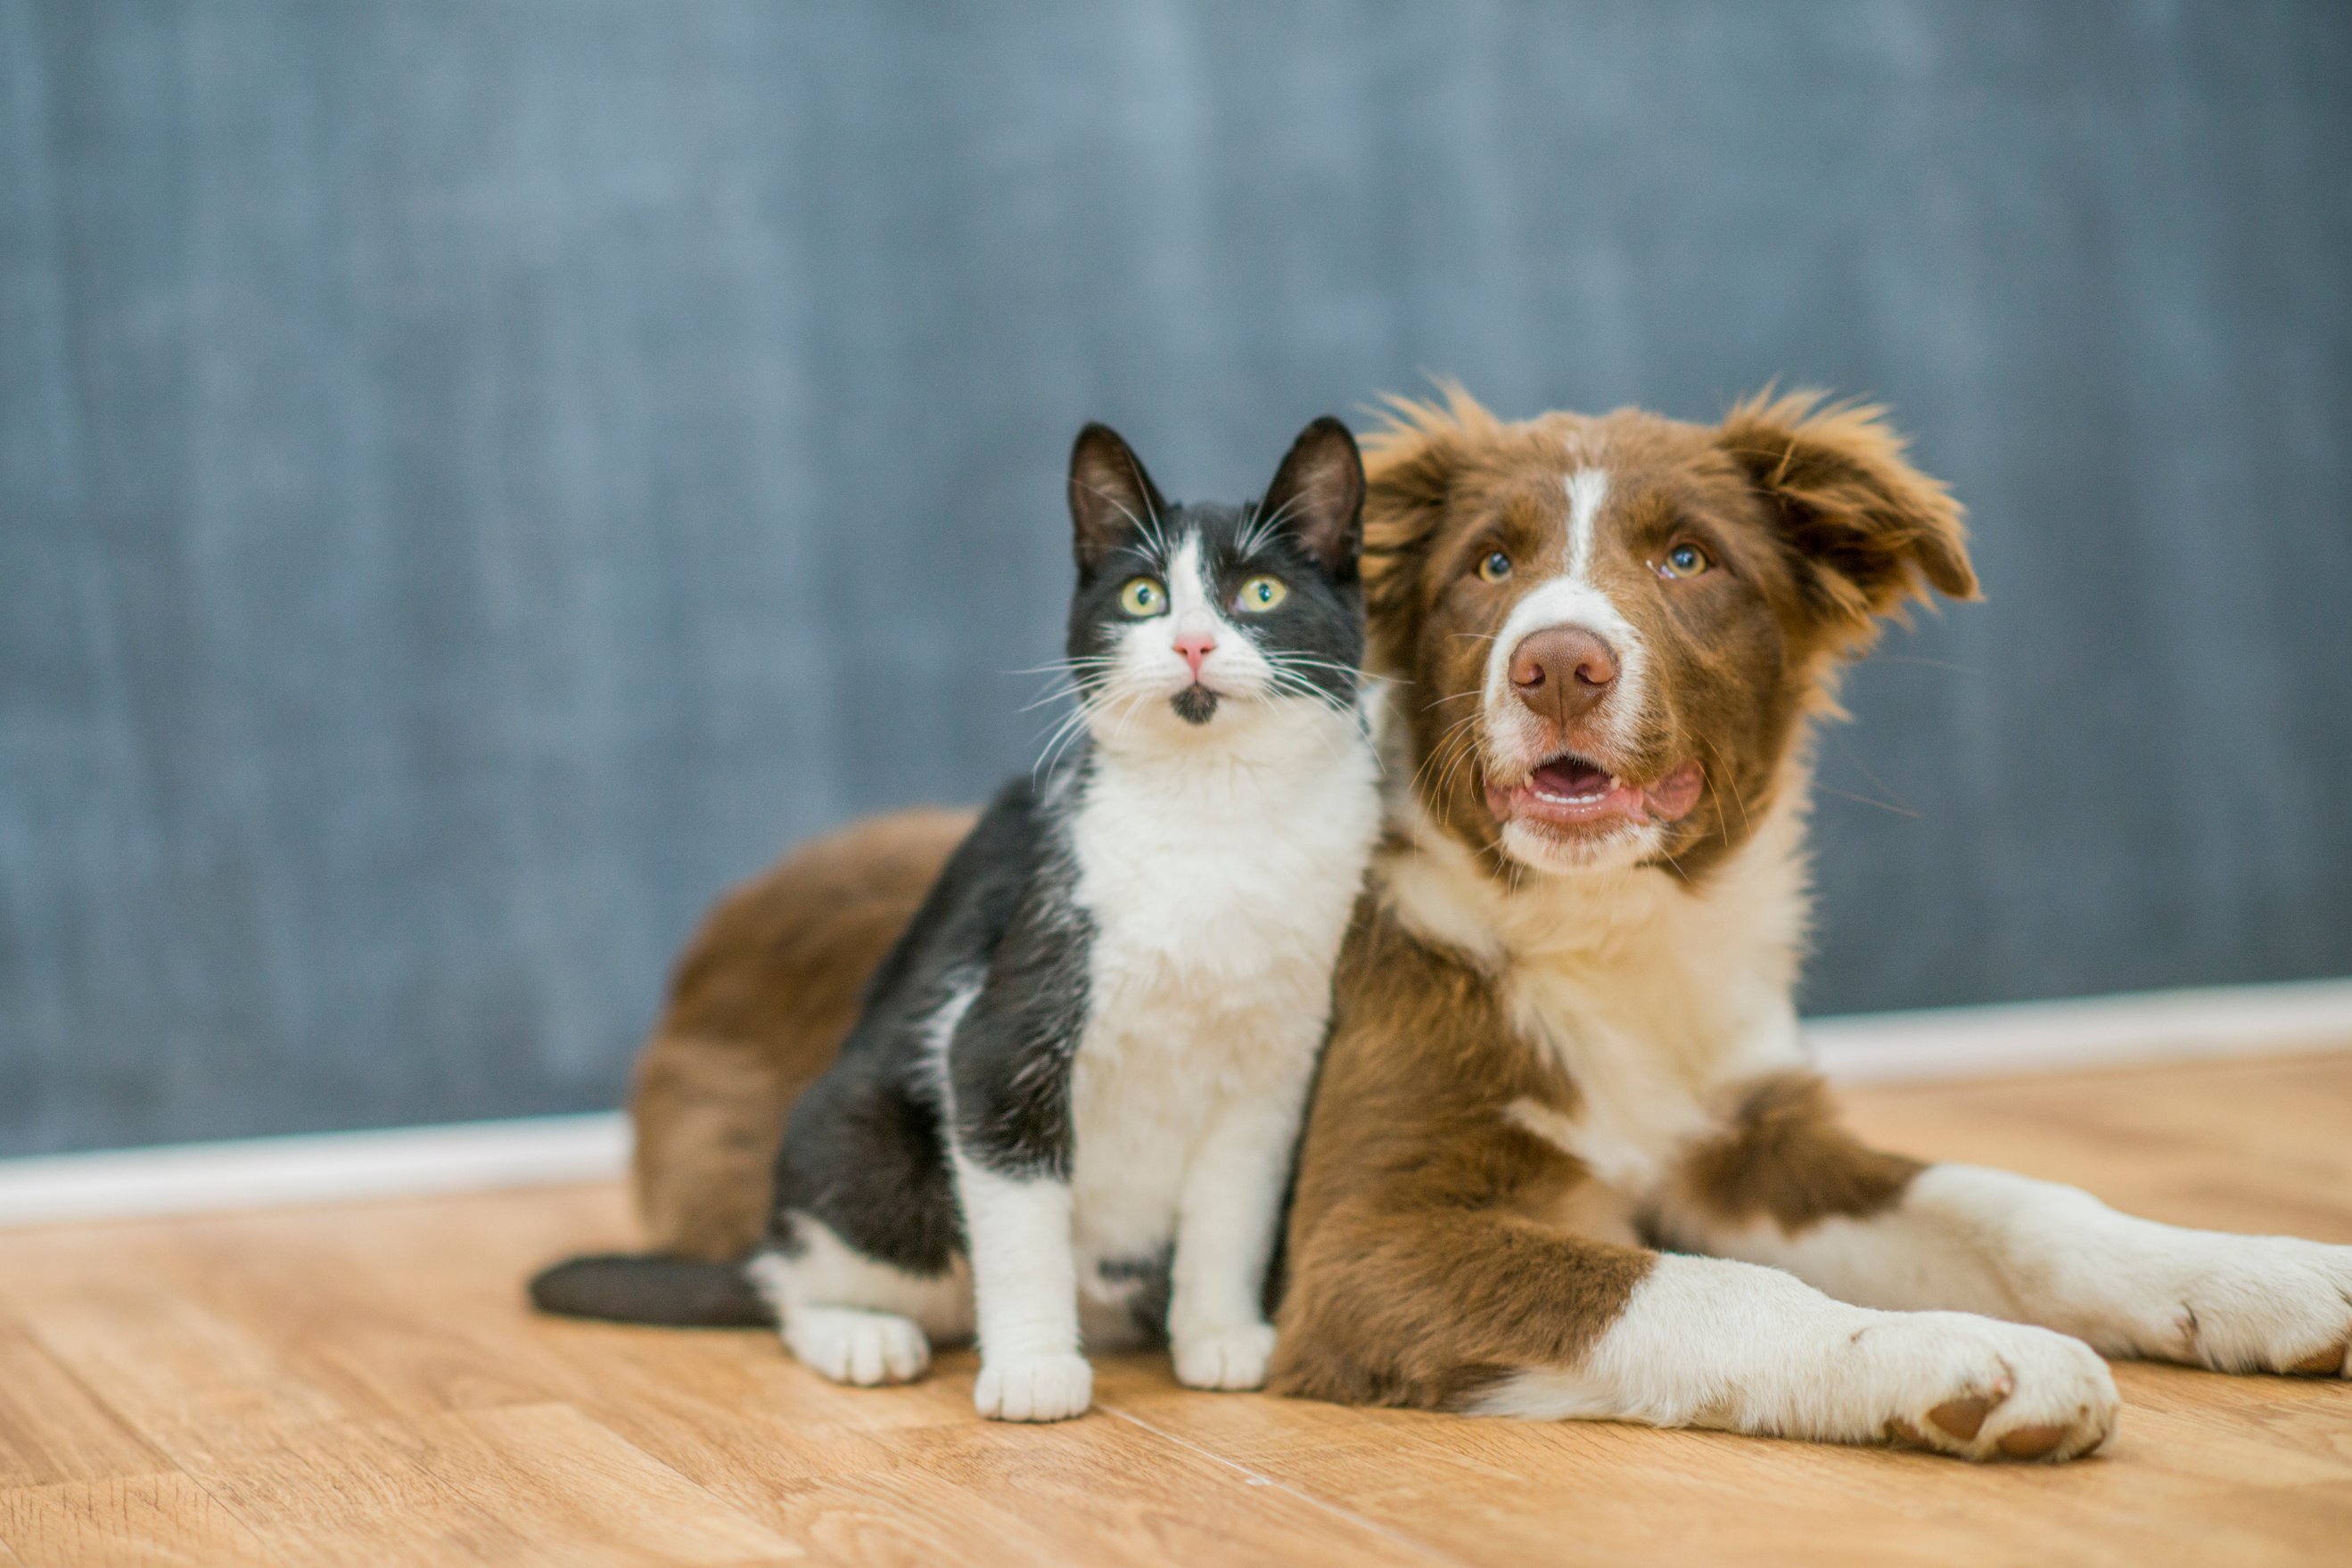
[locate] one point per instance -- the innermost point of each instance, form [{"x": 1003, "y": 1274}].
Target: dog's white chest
[{"x": 1652, "y": 1000}]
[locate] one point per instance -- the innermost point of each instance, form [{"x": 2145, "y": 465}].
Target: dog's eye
[
  {"x": 1260, "y": 594},
  {"x": 1685, "y": 560},
  {"x": 1144, "y": 596},
  {"x": 1496, "y": 567}
]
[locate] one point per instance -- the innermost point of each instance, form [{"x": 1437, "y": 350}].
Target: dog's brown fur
[
  {"x": 1422, "y": 1269},
  {"x": 1425, "y": 1259},
  {"x": 1786, "y": 1154},
  {"x": 758, "y": 1004}
]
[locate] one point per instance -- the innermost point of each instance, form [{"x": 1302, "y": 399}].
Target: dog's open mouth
[{"x": 1572, "y": 791}]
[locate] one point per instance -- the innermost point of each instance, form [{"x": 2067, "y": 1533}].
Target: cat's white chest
[{"x": 1218, "y": 903}]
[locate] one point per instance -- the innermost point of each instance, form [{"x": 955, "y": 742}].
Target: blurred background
[{"x": 477, "y": 479}]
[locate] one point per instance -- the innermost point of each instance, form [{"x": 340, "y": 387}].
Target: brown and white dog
[{"x": 1566, "y": 1156}]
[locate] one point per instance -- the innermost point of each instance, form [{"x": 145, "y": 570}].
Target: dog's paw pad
[
  {"x": 2331, "y": 1361},
  {"x": 1902, "y": 1435},
  {"x": 1964, "y": 1417},
  {"x": 2034, "y": 1442}
]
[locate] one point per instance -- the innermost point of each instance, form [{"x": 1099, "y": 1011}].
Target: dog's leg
[
  {"x": 1788, "y": 1188},
  {"x": 1484, "y": 1311}
]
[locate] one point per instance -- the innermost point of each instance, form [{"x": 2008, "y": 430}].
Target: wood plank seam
[{"x": 1259, "y": 1478}]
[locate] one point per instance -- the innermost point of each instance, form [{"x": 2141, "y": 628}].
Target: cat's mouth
[{"x": 1195, "y": 704}]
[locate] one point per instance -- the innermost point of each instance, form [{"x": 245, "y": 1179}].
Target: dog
[{"x": 1567, "y": 1157}]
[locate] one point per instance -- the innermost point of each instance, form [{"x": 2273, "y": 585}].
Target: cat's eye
[
  {"x": 1144, "y": 596},
  {"x": 1260, "y": 594},
  {"x": 1495, "y": 567},
  {"x": 1685, "y": 560}
]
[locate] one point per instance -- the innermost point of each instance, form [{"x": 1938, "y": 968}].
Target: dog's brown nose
[{"x": 1561, "y": 673}]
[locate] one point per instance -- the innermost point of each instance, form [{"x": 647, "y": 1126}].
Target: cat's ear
[
  {"x": 1318, "y": 497},
  {"x": 1112, "y": 500}
]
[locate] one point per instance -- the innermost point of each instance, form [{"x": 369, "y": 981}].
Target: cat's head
[{"x": 1189, "y": 617}]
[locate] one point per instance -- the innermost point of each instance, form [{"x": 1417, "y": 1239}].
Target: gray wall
[{"x": 477, "y": 479}]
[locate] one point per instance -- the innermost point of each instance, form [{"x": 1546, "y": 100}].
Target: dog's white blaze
[
  {"x": 1571, "y": 598},
  {"x": 1587, "y": 488}
]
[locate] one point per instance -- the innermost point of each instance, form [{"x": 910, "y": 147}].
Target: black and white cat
[{"x": 1067, "y": 1115}]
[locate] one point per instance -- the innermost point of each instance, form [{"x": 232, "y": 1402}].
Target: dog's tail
[{"x": 652, "y": 1287}]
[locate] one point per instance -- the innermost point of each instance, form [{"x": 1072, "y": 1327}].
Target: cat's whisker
[
  {"x": 1261, "y": 528},
  {"x": 1060, "y": 667},
  {"x": 1071, "y": 726}
]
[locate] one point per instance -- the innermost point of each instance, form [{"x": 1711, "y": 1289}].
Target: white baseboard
[
  {"x": 321, "y": 1167},
  {"x": 2141, "y": 1028},
  {"x": 1877, "y": 1047}
]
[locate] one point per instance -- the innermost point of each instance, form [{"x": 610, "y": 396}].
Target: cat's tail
[{"x": 652, "y": 1287}]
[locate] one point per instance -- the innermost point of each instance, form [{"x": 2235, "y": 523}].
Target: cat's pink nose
[{"x": 1195, "y": 646}]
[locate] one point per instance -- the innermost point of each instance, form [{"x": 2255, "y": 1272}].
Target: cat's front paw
[
  {"x": 1233, "y": 1357},
  {"x": 850, "y": 1344},
  {"x": 1034, "y": 1387}
]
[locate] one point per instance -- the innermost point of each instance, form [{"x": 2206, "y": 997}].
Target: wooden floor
[{"x": 362, "y": 1386}]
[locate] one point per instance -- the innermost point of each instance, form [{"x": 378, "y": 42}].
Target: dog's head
[{"x": 1611, "y": 630}]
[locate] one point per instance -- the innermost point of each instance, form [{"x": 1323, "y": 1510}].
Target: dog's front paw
[
  {"x": 2264, "y": 1303},
  {"x": 1034, "y": 1387},
  {"x": 1233, "y": 1357},
  {"x": 1979, "y": 1389}
]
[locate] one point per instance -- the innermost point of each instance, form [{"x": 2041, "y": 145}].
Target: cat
[{"x": 1067, "y": 1114}]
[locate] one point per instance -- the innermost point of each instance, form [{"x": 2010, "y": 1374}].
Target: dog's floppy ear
[
  {"x": 1873, "y": 532},
  {"x": 1410, "y": 465},
  {"x": 1112, "y": 499}
]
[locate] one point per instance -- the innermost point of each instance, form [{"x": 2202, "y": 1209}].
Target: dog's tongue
[
  {"x": 1573, "y": 779},
  {"x": 1588, "y": 792}
]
